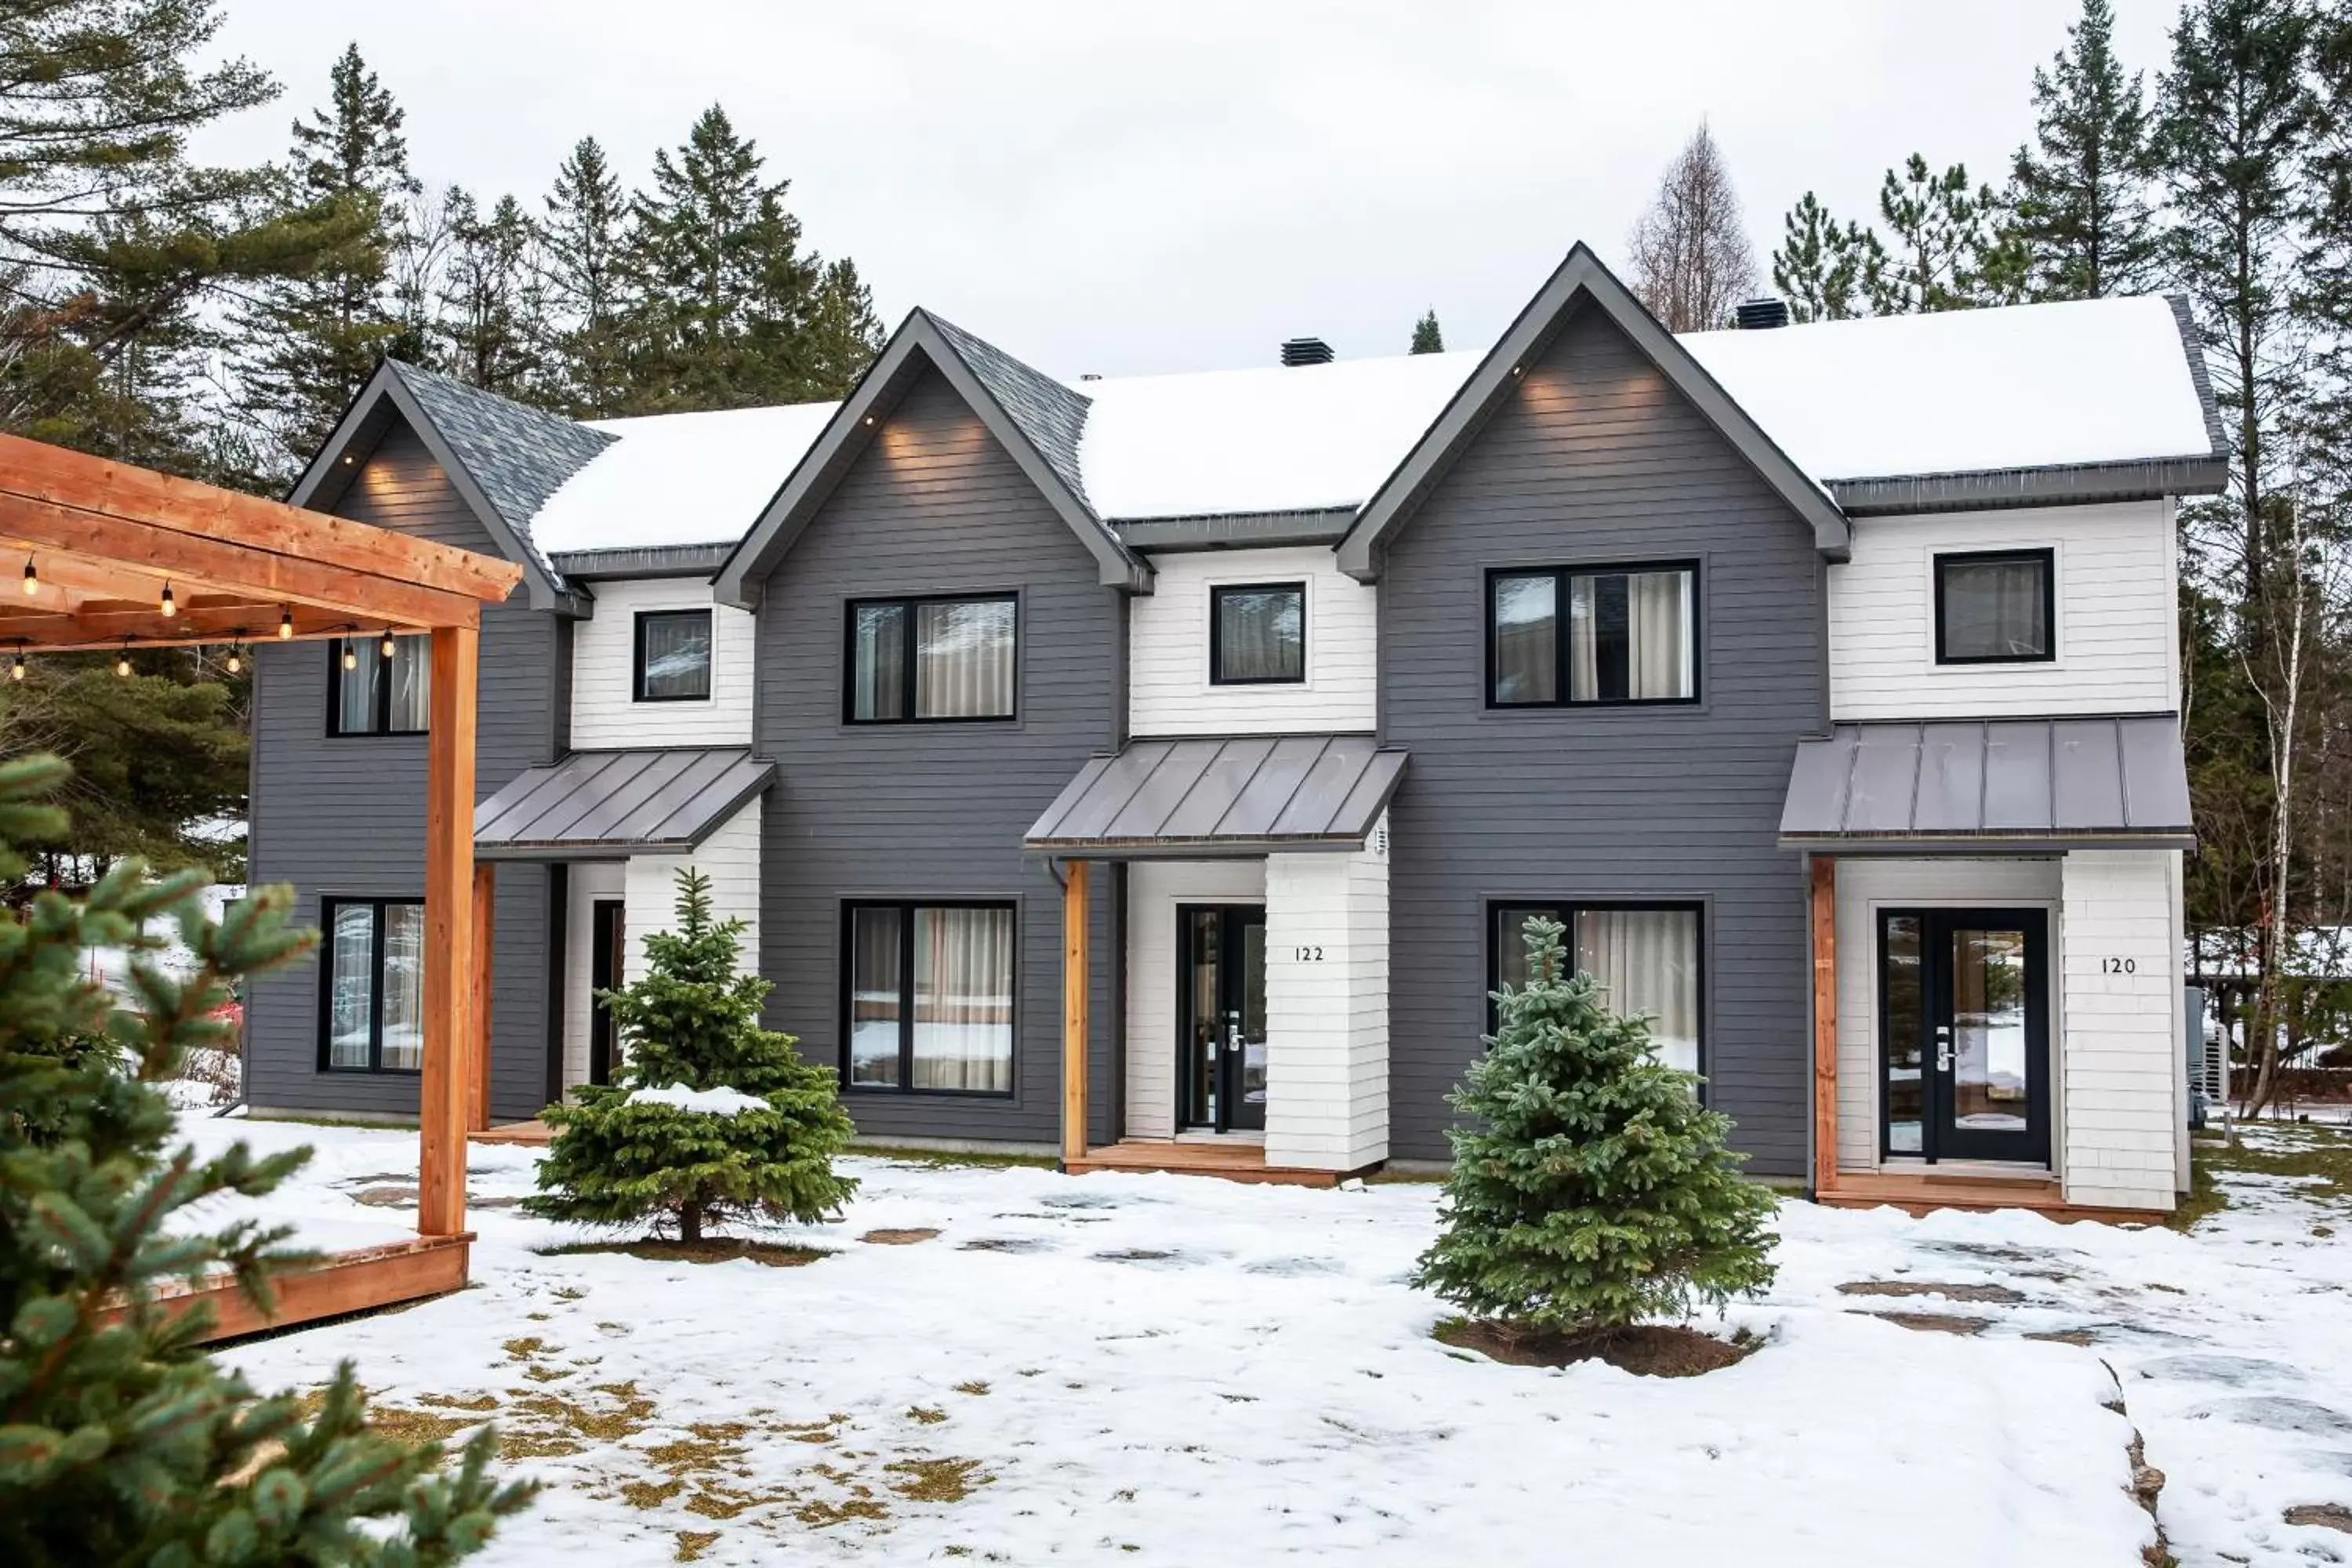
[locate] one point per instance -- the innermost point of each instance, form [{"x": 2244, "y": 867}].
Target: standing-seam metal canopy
[
  {"x": 2047, "y": 783},
  {"x": 605, "y": 805},
  {"x": 1164, "y": 799}
]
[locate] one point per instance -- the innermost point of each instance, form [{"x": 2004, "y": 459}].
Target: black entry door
[
  {"x": 1221, "y": 1006},
  {"x": 604, "y": 971},
  {"x": 1965, "y": 1024}
]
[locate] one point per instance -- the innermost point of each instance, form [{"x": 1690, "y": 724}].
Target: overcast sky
[{"x": 1126, "y": 188}]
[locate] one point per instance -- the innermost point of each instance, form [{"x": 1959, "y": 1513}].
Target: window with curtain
[
  {"x": 927, "y": 660},
  {"x": 379, "y": 695},
  {"x": 1257, "y": 634},
  {"x": 1995, "y": 608},
  {"x": 1645, "y": 956},
  {"x": 1570, "y": 637},
  {"x": 372, "y": 1010},
  {"x": 673, "y": 662},
  {"x": 928, "y": 997}
]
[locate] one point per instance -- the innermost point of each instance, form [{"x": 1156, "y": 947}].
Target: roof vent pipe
[
  {"x": 1306, "y": 351},
  {"x": 1755, "y": 315}
]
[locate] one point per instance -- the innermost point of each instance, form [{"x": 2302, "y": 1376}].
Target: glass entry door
[
  {"x": 1964, "y": 1026},
  {"x": 1221, "y": 1017}
]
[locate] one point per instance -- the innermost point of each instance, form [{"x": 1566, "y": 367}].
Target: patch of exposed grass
[
  {"x": 416, "y": 1425},
  {"x": 522, "y": 1350},
  {"x": 451, "y": 1401},
  {"x": 943, "y": 1159},
  {"x": 693, "y": 1543},
  {"x": 935, "y": 1480},
  {"x": 2205, "y": 1197},
  {"x": 550, "y": 1426},
  {"x": 925, "y": 1414},
  {"x": 1649, "y": 1350},
  {"x": 567, "y": 1293},
  {"x": 974, "y": 1387},
  {"x": 718, "y": 1505},
  {"x": 2320, "y": 1157},
  {"x": 713, "y": 1250},
  {"x": 546, "y": 1374},
  {"x": 650, "y": 1494}
]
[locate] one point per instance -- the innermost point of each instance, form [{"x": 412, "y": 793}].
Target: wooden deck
[
  {"x": 513, "y": 1132},
  {"x": 1918, "y": 1194},
  {"x": 340, "y": 1283},
  {"x": 1233, "y": 1161}
]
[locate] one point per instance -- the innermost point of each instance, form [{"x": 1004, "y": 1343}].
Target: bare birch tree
[{"x": 1692, "y": 261}]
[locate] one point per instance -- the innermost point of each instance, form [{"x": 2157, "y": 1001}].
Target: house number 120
[
  {"x": 2119, "y": 966},
  {"x": 1307, "y": 955}
]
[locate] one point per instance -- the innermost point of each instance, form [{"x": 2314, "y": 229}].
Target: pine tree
[
  {"x": 628, "y": 1152},
  {"x": 1428, "y": 338},
  {"x": 126, "y": 1443},
  {"x": 2079, "y": 195},
  {"x": 1692, "y": 261},
  {"x": 2233, "y": 125},
  {"x": 1821, "y": 264},
  {"x": 311, "y": 342},
  {"x": 2325, "y": 209},
  {"x": 587, "y": 213},
  {"x": 491, "y": 325},
  {"x": 1943, "y": 250},
  {"x": 1590, "y": 1188},
  {"x": 842, "y": 334}
]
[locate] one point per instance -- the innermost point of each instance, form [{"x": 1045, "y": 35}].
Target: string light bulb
[
  {"x": 17, "y": 669},
  {"x": 169, "y": 606},
  {"x": 123, "y": 664},
  {"x": 351, "y": 655},
  {"x": 236, "y": 662},
  {"x": 285, "y": 623},
  {"x": 32, "y": 578},
  {"x": 387, "y": 647}
]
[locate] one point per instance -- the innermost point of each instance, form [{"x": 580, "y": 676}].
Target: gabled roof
[
  {"x": 1035, "y": 419},
  {"x": 1581, "y": 282},
  {"x": 504, "y": 458}
]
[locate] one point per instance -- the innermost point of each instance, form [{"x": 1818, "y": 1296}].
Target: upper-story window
[
  {"x": 1257, "y": 634},
  {"x": 1996, "y": 606},
  {"x": 1578, "y": 636},
  {"x": 373, "y": 692},
  {"x": 672, "y": 659},
  {"x": 930, "y": 660}
]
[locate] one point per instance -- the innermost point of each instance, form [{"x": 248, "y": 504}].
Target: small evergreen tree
[
  {"x": 123, "y": 1442},
  {"x": 1428, "y": 338},
  {"x": 1821, "y": 264},
  {"x": 626, "y": 1154},
  {"x": 1591, "y": 1189}
]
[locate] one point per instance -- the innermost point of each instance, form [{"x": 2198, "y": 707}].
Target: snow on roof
[
  {"x": 2091, "y": 380},
  {"x": 1271, "y": 439},
  {"x": 2027, "y": 386},
  {"x": 679, "y": 479}
]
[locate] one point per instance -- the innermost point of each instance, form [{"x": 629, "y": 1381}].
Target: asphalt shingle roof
[
  {"x": 1054, "y": 417},
  {"x": 518, "y": 454}
]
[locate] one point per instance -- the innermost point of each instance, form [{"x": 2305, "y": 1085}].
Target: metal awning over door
[
  {"x": 607, "y": 806},
  {"x": 1232, "y": 796}
]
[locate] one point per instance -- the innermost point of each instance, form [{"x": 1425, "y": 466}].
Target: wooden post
[
  {"x": 477, "y": 982},
  {"x": 1826, "y": 1053},
  {"x": 448, "y": 932},
  {"x": 1075, "y": 925}
]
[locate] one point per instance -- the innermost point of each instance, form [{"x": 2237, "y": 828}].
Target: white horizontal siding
[
  {"x": 606, "y": 713},
  {"x": 1326, "y": 1021},
  {"x": 2119, "y": 1066},
  {"x": 729, "y": 858},
  {"x": 1154, "y": 888},
  {"x": 1169, "y": 691},
  {"x": 2115, "y": 603},
  {"x": 1865, "y": 885}
]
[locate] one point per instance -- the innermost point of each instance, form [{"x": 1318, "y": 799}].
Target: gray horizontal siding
[
  {"x": 344, "y": 817},
  {"x": 933, "y": 506},
  {"x": 1595, "y": 458}
]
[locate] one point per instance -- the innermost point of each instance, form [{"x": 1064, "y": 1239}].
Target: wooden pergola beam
[
  {"x": 104, "y": 627},
  {"x": 451, "y": 1038},
  {"x": 1822, "y": 909},
  {"x": 1075, "y": 1012}
]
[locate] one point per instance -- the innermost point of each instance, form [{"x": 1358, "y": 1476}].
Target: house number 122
[{"x": 1307, "y": 955}]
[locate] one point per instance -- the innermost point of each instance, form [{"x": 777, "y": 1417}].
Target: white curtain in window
[
  {"x": 963, "y": 659},
  {"x": 1584, "y": 640},
  {"x": 881, "y": 672},
  {"x": 411, "y": 680},
  {"x": 876, "y": 995},
  {"x": 351, "y": 985},
  {"x": 403, "y": 987},
  {"x": 963, "y": 999},
  {"x": 355, "y": 688},
  {"x": 1658, "y": 627},
  {"x": 1648, "y": 961}
]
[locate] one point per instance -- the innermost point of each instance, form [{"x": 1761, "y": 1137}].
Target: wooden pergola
[{"x": 117, "y": 558}]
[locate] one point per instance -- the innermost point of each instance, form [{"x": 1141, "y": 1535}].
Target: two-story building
[{"x": 1163, "y": 767}]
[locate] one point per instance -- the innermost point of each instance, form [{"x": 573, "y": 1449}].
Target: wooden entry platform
[
  {"x": 531, "y": 1132},
  {"x": 1233, "y": 1162},
  {"x": 1921, "y": 1194},
  {"x": 363, "y": 1278}
]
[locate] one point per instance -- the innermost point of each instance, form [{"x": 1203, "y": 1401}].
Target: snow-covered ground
[{"x": 1163, "y": 1369}]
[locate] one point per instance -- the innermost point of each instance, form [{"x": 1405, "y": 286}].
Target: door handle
[{"x": 1943, "y": 1047}]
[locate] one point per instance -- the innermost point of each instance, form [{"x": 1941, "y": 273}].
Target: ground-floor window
[
  {"x": 926, "y": 997},
  {"x": 1646, "y": 955},
  {"x": 371, "y": 997}
]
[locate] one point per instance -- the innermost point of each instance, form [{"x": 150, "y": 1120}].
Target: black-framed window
[
  {"x": 1997, "y": 606},
  {"x": 1651, "y": 957},
  {"x": 1257, "y": 634},
  {"x": 928, "y": 991},
  {"x": 931, "y": 660},
  {"x": 673, "y": 656},
  {"x": 371, "y": 985},
  {"x": 371, "y": 693},
  {"x": 1580, "y": 637}
]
